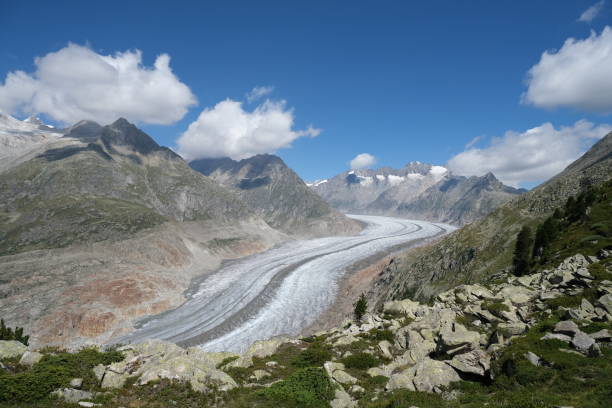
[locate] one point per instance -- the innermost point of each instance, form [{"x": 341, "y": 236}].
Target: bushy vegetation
[
  {"x": 306, "y": 388},
  {"x": 52, "y": 372},
  {"x": 6, "y": 333},
  {"x": 360, "y": 361}
]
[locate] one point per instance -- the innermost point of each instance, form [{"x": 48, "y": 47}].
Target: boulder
[
  {"x": 260, "y": 374},
  {"x": 11, "y": 348},
  {"x": 473, "y": 362},
  {"x": 406, "y": 307},
  {"x": 457, "y": 336},
  {"x": 430, "y": 374},
  {"x": 71, "y": 395},
  {"x": 401, "y": 380},
  {"x": 385, "y": 348},
  {"x": 566, "y": 327},
  {"x": 113, "y": 380},
  {"x": 29, "y": 358},
  {"x": 606, "y": 302},
  {"x": 518, "y": 295},
  {"x": 582, "y": 342},
  {"x": 512, "y": 328},
  {"x": 200, "y": 376},
  {"x": 343, "y": 377},
  {"x": 76, "y": 383},
  {"x": 265, "y": 348},
  {"x": 342, "y": 400},
  {"x": 602, "y": 335},
  {"x": 345, "y": 340},
  {"x": 99, "y": 371},
  {"x": 556, "y": 336},
  {"x": 532, "y": 358}
]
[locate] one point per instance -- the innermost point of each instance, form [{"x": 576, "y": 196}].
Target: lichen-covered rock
[
  {"x": 11, "y": 348},
  {"x": 406, "y": 307},
  {"x": 582, "y": 342}
]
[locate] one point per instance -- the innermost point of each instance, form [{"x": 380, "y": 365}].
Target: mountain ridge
[{"x": 418, "y": 190}]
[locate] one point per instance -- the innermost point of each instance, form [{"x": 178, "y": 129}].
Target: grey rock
[
  {"x": 76, "y": 383},
  {"x": 557, "y": 336},
  {"x": 430, "y": 374},
  {"x": 99, "y": 371},
  {"x": 473, "y": 362},
  {"x": 113, "y": 380},
  {"x": 342, "y": 400},
  {"x": 566, "y": 327},
  {"x": 72, "y": 395},
  {"x": 582, "y": 342},
  {"x": 606, "y": 302},
  {"x": 602, "y": 335},
  {"x": 512, "y": 328},
  {"x": 260, "y": 374},
  {"x": 401, "y": 380},
  {"x": 532, "y": 358},
  {"x": 29, "y": 358}
]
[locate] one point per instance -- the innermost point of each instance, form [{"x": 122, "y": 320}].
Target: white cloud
[
  {"x": 579, "y": 75},
  {"x": 592, "y": 12},
  {"x": 258, "y": 92},
  {"x": 531, "y": 156},
  {"x": 77, "y": 83},
  {"x": 227, "y": 130},
  {"x": 362, "y": 160}
]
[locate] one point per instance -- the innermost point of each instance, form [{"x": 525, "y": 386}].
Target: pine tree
[
  {"x": 522, "y": 252},
  {"x": 361, "y": 307}
]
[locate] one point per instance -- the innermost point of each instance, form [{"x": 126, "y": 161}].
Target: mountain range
[
  {"x": 99, "y": 225},
  {"x": 418, "y": 190},
  {"x": 481, "y": 250}
]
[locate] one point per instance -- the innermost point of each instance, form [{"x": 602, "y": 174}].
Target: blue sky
[{"x": 399, "y": 80}]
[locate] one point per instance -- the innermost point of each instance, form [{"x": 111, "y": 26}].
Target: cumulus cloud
[
  {"x": 228, "y": 130},
  {"x": 592, "y": 12},
  {"x": 531, "y": 156},
  {"x": 259, "y": 92},
  {"x": 579, "y": 75},
  {"x": 77, "y": 83},
  {"x": 362, "y": 160}
]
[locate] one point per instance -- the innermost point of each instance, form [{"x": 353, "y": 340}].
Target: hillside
[
  {"x": 417, "y": 190},
  {"x": 485, "y": 247},
  {"x": 102, "y": 226},
  {"x": 277, "y": 194}
]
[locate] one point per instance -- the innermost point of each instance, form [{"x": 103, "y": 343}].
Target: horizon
[{"x": 435, "y": 87}]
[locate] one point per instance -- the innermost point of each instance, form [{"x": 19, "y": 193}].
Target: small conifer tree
[{"x": 361, "y": 307}]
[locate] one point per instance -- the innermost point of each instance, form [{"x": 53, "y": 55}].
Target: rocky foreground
[{"x": 467, "y": 334}]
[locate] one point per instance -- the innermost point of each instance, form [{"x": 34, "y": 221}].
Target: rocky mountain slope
[
  {"x": 102, "y": 226},
  {"x": 417, "y": 190},
  {"x": 485, "y": 247},
  {"x": 276, "y": 193}
]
